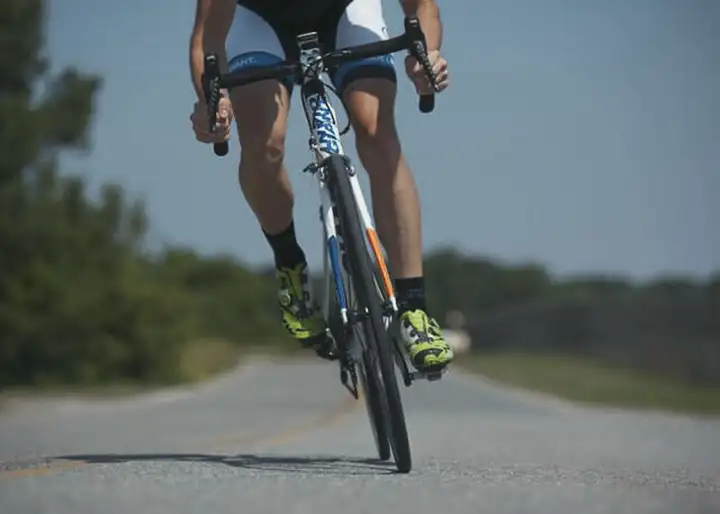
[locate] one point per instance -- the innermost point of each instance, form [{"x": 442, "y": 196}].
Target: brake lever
[
  {"x": 418, "y": 49},
  {"x": 211, "y": 89}
]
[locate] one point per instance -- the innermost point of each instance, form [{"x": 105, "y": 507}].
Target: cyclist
[{"x": 246, "y": 33}]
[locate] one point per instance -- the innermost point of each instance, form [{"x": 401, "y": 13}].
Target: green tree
[
  {"x": 80, "y": 302},
  {"x": 75, "y": 305}
]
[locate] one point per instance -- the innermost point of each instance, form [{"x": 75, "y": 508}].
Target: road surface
[{"x": 287, "y": 438}]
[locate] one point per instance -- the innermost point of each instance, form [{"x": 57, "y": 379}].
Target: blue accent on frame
[{"x": 334, "y": 250}]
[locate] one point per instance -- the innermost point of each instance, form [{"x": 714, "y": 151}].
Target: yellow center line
[
  {"x": 53, "y": 465},
  {"x": 328, "y": 419},
  {"x": 260, "y": 437}
]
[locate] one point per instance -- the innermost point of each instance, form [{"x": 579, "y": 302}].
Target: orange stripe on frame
[{"x": 375, "y": 245}]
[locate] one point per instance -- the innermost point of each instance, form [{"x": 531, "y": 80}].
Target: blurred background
[{"x": 569, "y": 178}]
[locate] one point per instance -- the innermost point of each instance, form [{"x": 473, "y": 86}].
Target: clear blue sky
[{"x": 580, "y": 134}]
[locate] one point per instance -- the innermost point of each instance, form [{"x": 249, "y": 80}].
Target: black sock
[
  {"x": 286, "y": 250},
  {"x": 410, "y": 294}
]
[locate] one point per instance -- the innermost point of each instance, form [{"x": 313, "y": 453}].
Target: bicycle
[{"x": 358, "y": 291}]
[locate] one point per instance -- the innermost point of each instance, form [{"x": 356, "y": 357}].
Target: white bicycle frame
[{"x": 324, "y": 142}]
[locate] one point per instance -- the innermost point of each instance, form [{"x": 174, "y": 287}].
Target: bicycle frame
[{"x": 324, "y": 141}]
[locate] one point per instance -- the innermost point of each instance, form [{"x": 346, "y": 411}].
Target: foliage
[
  {"x": 669, "y": 326},
  {"x": 79, "y": 301}
]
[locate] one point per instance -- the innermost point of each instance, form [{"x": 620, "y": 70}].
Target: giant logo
[{"x": 324, "y": 125}]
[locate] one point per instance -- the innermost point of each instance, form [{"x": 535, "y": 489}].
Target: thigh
[
  {"x": 260, "y": 109},
  {"x": 362, "y": 22},
  {"x": 252, "y": 40}
]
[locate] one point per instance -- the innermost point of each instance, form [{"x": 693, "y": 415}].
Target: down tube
[
  {"x": 372, "y": 238},
  {"x": 333, "y": 250}
]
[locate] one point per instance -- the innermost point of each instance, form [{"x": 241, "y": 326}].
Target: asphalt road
[{"x": 287, "y": 438}]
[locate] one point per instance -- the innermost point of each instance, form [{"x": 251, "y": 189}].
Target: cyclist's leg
[
  {"x": 261, "y": 112},
  {"x": 369, "y": 89}
]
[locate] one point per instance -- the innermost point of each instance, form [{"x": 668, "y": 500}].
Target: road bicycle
[{"x": 358, "y": 300}]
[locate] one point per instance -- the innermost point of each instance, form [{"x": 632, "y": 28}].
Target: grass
[
  {"x": 590, "y": 381},
  {"x": 204, "y": 358},
  {"x": 200, "y": 360}
]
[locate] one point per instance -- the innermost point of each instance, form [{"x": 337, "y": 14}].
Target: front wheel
[
  {"x": 378, "y": 342},
  {"x": 366, "y": 366},
  {"x": 370, "y": 378}
]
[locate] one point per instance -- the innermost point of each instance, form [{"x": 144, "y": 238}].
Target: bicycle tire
[
  {"x": 369, "y": 381},
  {"x": 362, "y": 272},
  {"x": 373, "y": 401}
]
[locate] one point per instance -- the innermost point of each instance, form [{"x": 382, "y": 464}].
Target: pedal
[
  {"x": 324, "y": 346},
  {"x": 409, "y": 376},
  {"x": 430, "y": 376},
  {"x": 346, "y": 370},
  {"x": 433, "y": 376}
]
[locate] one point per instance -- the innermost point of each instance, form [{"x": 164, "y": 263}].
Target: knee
[
  {"x": 261, "y": 122},
  {"x": 378, "y": 148},
  {"x": 377, "y": 139}
]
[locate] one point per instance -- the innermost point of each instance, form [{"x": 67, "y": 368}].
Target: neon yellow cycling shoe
[
  {"x": 423, "y": 341},
  {"x": 301, "y": 315}
]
